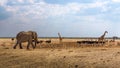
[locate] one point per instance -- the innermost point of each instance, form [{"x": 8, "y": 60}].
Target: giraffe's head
[{"x": 106, "y": 31}]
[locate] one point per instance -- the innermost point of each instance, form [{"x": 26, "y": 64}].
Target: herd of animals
[
  {"x": 101, "y": 39},
  {"x": 31, "y": 36}
]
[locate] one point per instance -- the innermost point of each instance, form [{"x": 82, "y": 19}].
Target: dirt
[{"x": 58, "y": 57}]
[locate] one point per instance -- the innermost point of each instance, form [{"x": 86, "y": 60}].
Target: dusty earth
[{"x": 59, "y": 56}]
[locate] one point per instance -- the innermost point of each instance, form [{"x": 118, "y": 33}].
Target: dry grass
[{"x": 55, "y": 55}]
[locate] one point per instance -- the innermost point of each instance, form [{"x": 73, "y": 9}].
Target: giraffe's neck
[
  {"x": 104, "y": 34},
  {"x": 59, "y": 36}
]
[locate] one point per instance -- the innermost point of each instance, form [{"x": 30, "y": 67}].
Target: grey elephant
[{"x": 29, "y": 37}]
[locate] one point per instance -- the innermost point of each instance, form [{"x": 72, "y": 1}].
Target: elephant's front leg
[{"x": 20, "y": 44}]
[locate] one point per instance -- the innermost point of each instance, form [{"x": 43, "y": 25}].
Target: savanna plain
[{"x": 68, "y": 54}]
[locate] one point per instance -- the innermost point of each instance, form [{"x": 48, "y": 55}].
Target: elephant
[{"x": 29, "y": 37}]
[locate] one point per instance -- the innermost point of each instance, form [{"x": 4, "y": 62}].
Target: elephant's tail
[{"x": 12, "y": 39}]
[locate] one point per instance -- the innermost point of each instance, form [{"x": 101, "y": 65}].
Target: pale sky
[{"x": 72, "y": 18}]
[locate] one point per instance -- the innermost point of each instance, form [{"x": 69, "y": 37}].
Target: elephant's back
[{"x": 24, "y": 36}]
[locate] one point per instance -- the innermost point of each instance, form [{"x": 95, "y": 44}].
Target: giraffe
[
  {"x": 101, "y": 38},
  {"x": 60, "y": 38}
]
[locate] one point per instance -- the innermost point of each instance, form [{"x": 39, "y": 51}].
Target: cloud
[
  {"x": 4, "y": 14},
  {"x": 41, "y": 9},
  {"x": 116, "y": 1},
  {"x": 3, "y": 2}
]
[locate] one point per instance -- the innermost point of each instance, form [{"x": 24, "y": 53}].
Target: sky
[{"x": 71, "y": 18}]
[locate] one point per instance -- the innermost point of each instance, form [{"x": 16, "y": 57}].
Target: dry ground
[{"x": 59, "y": 56}]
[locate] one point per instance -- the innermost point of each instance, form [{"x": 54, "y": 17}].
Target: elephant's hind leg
[
  {"x": 28, "y": 45},
  {"x": 14, "y": 47}
]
